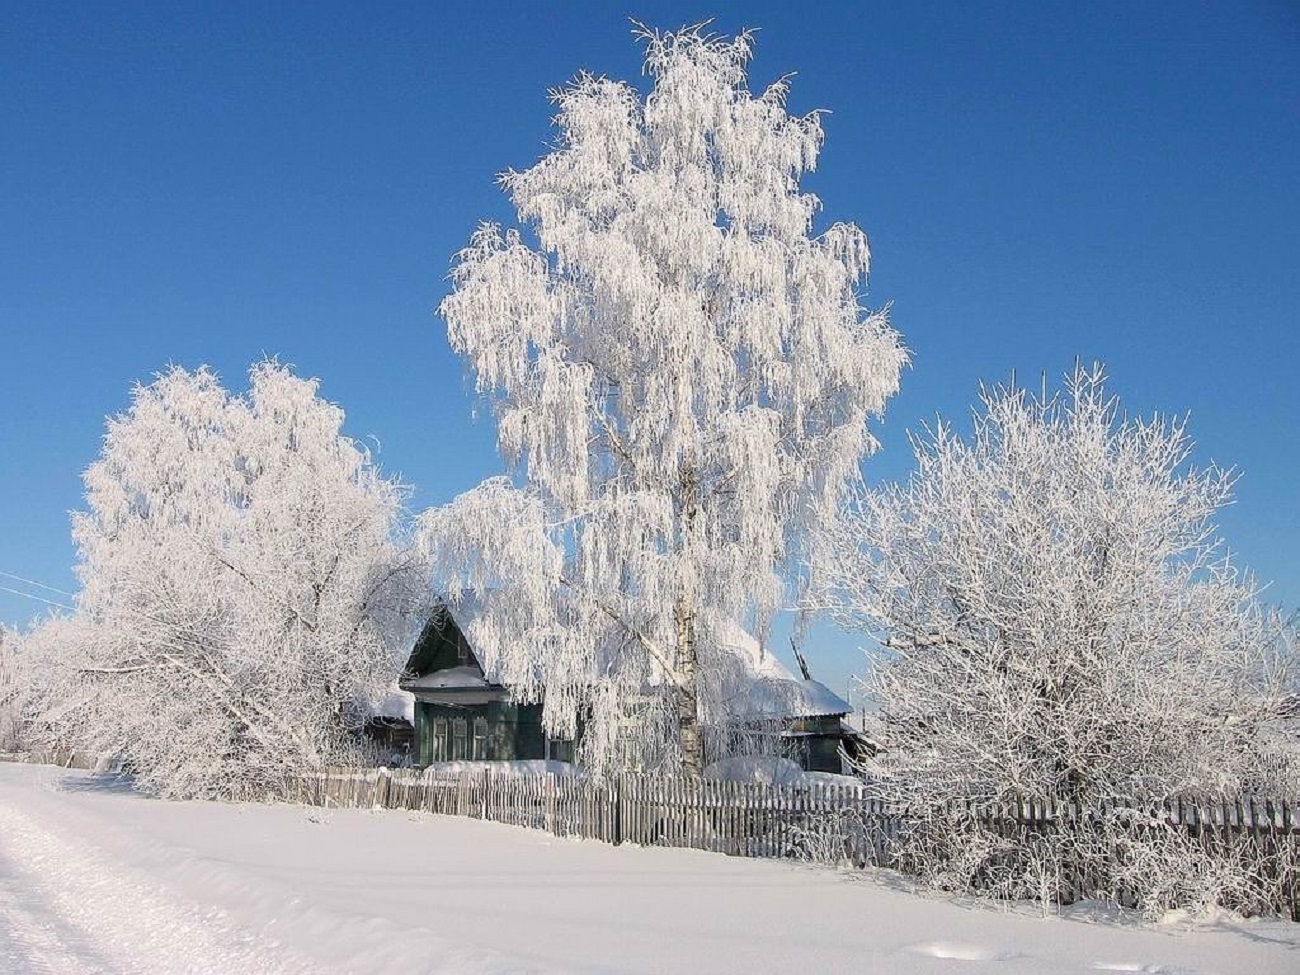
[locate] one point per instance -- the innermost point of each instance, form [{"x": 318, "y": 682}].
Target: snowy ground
[{"x": 96, "y": 879}]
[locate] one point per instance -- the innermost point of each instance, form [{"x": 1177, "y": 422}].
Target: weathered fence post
[{"x": 616, "y": 803}]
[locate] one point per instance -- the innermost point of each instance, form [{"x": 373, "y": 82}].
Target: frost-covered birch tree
[
  {"x": 245, "y": 589},
  {"x": 682, "y": 372},
  {"x": 1056, "y": 618}
]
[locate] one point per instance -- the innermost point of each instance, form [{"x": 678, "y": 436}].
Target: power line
[
  {"x": 39, "y": 599},
  {"x": 38, "y": 585}
]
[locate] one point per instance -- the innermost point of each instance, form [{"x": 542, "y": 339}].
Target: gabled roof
[{"x": 442, "y": 650}]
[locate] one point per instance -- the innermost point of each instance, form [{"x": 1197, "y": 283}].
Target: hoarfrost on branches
[
  {"x": 1057, "y": 619},
  {"x": 245, "y": 592},
  {"x": 682, "y": 373},
  {"x": 32, "y": 663}
]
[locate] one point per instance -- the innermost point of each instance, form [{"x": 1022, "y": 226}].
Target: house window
[
  {"x": 480, "y": 752},
  {"x": 458, "y": 734},
  {"x": 439, "y": 740},
  {"x": 559, "y": 749}
]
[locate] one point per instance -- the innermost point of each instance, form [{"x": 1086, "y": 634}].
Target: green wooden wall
[{"x": 499, "y": 731}]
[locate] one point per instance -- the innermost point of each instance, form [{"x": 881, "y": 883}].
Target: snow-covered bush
[
  {"x": 245, "y": 590},
  {"x": 755, "y": 770},
  {"x": 681, "y": 372},
  {"x": 1056, "y": 620}
]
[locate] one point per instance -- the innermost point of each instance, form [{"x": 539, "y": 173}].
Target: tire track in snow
[
  {"x": 33, "y": 940},
  {"x": 80, "y": 913}
]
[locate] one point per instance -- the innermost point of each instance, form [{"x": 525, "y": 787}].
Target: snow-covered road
[
  {"x": 95, "y": 879},
  {"x": 70, "y": 903}
]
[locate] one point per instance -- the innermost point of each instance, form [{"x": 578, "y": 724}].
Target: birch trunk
[{"x": 688, "y": 697}]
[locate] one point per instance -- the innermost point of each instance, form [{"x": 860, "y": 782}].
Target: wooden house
[
  {"x": 461, "y": 715},
  {"x": 806, "y": 714}
]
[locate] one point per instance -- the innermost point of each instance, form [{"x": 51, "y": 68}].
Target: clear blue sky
[{"x": 203, "y": 183}]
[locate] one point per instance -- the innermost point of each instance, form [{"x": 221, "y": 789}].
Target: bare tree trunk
[{"x": 688, "y": 716}]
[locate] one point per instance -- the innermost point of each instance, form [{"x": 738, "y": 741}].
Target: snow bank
[
  {"x": 756, "y": 769},
  {"x": 94, "y": 878},
  {"x": 770, "y": 770}
]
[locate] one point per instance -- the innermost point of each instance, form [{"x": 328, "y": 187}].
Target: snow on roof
[
  {"x": 397, "y": 703},
  {"x": 758, "y": 661},
  {"x": 452, "y": 677},
  {"x": 792, "y": 698},
  {"x": 767, "y": 689}
]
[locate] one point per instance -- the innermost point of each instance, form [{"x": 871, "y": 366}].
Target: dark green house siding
[
  {"x": 495, "y": 731},
  {"x": 815, "y": 742}
]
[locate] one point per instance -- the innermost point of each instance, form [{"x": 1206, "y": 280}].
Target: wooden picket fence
[
  {"x": 742, "y": 819},
  {"x": 823, "y": 823}
]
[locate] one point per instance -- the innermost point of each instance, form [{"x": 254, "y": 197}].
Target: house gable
[{"x": 441, "y": 646}]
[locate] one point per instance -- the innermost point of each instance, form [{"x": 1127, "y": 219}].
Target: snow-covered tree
[
  {"x": 245, "y": 591},
  {"x": 1056, "y": 617},
  {"x": 36, "y": 681},
  {"x": 24, "y": 678},
  {"x": 13, "y": 682},
  {"x": 682, "y": 373}
]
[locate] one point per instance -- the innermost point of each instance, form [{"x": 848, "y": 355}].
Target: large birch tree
[{"x": 682, "y": 374}]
